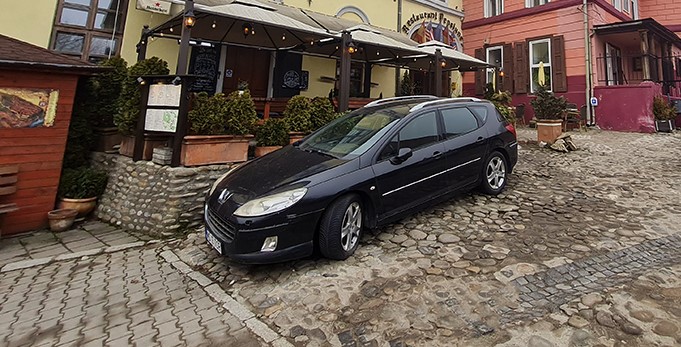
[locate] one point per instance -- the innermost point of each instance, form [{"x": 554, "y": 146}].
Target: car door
[
  {"x": 465, "y": 145},
  {"x": 405, "y": 184}
]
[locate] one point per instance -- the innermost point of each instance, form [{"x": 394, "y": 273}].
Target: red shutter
[
  {"x": 521, "y": 68},
  {"x": 507, "y": 83},
  {"x": 558, "y": 73},
  {"x": 480, "y": 73}
]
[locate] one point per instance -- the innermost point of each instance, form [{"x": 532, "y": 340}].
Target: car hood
[{"x": 275, "y": 171}]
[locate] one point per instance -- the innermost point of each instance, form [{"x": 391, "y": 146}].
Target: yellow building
[{"x": 96, "y": 29}]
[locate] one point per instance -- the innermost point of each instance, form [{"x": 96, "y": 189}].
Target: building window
[
  {"x": 618, "y": 4},
  {"x": 533, "y": 3},
  {"x": 495, "y": 56},
  {"x": 634, "y": 8},
  {"x": 89, "y": 29},
  {"x": 494, "y": 8},
  {"x": 540, "y": 55}
]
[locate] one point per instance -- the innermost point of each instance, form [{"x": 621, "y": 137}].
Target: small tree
[
  {"x": 406, "y": 85},
  {"x": 547, "y": 106},
  {"x": 241, "y": 114},
  {"x": 104, "y": 88},
  {"x": 298, "y": 113},
  {"x": 129, "y": 101},
  {"x": 503, "y": 102}
]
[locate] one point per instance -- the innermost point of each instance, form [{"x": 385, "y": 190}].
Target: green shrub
[
  {"x": 503, "y": 102},
  {"x": 298, "y": 113},
  {"x": 406, "y": 85},
  {"x": 547, "y": 106},
  {"x": 273, "y": 132},
  {"x": 662, "y": 109},
  {"x": 321, "y": 112},
  {"x": 82, "y": 183},
  {"x": 129, "y": 101},
  {"x": 208, "y": 115},
  {"x": 241, "y": 115},
  {"x": 104, "y": 88}
]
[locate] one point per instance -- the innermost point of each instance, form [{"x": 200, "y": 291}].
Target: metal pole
[
  {"x": 438, "y": 72},
  {"x": 183, "y": 56},
  {"x": 587, "y": 59},
  {"x": 399, "y": 28},
  {"x": 142, "y": 45},
  {"x": 344, "y": 88}
]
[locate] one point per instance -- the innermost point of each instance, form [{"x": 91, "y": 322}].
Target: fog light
[{"x": 270, "y": 244}]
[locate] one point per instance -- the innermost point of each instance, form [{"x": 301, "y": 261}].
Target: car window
[
  {"x": 458, "y": 121},
  {"x": 418, "y": 133},
  {"x": 480, "y": 111}
]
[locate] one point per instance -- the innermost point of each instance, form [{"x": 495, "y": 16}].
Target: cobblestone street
[{"x": 582, "y": 249}]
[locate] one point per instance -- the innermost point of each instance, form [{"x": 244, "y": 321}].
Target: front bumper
[{"x": 241, "y": 239}]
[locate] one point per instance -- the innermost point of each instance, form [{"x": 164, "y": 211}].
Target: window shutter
[
  {"x": 480, "y": 73},
  {"x": 559, "y": 75},
  {"x": 507, "y": 83},
  {"x": 521, "y": 69}
]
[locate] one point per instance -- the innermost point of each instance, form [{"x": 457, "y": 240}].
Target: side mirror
[{"x": 402, "y": 156}]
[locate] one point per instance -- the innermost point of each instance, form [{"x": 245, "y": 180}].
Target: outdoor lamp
[
  {"x": 443, "y": 63},
  {"x": 247, "y": 29},
  {"x": 189, "y": 19},
  {"x": 501, "y": 72},
  {"x": 352, "y": 48}
]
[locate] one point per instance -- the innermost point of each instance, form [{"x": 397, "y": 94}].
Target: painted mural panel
[{"x": 27, "y": 108}]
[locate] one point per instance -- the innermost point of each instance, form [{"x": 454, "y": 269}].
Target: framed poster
[
  {"x": 27, "y": 108},
  {"x": 164, "y": 95},
  {"x": 161, "y": 120}
]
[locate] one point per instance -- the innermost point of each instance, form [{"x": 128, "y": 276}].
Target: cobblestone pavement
[
  {"x": 83, "y": 237},
  {"x": 571, "y": 254}
]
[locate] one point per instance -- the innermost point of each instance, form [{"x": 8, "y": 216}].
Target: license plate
[{"x": 213, "y": 241}]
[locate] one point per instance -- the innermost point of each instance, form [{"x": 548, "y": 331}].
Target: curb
[
  {"x": 247, "y": 318},
  {"x": 24, "y": 264}
]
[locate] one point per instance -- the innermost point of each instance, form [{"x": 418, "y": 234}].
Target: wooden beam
[{"x": 344, "y": 92}]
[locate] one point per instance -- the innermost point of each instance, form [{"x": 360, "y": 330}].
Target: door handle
[
  {"x": 480, "y": 138},
  {"x": 437, "y": 154}
]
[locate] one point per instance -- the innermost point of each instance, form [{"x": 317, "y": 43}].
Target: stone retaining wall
[{"x": 151, "y": 198}]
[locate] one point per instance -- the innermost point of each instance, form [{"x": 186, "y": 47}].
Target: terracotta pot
[
  {"x": 548, "y": 130},
  {"x": 61, "y": 219},
  {"x": 83, "y": 206},
  {"x": 106, "y": 139},
  {"x": 262, "y": 150},
  {"x": 150, "y": 142},
  {"x": 214, "y": 149},
  {"x": 295, "y": 136}
]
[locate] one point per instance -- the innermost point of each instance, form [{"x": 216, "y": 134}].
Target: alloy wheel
[
  {"x": 496, "y": 173},
  {"x": 351, "y": 226}
]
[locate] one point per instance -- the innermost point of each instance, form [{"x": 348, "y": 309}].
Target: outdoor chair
[{"x": 572, "y": 117}]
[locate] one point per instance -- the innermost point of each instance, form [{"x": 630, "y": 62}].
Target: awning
[
  {"x": 453, "y": 58},
  {"x": 643, "y": 24}
]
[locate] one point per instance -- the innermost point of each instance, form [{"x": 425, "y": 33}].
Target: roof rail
[
  {"x": 398, "y": 98},
  {"x": 433, "y": 102}
]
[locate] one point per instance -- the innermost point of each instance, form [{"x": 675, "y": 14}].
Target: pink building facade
[{"x": 521, "y": 37}]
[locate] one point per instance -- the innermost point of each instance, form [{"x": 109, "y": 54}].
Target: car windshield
[{"x": 352, "y": 135}]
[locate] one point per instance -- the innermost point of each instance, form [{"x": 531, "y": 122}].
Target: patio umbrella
[{"x": 541, "y": 79}]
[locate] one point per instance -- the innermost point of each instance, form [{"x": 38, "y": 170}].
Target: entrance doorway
[{"x": 247, "y": 65}]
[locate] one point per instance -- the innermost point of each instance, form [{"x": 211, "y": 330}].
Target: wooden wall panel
[{"x": 38, "y": 152}]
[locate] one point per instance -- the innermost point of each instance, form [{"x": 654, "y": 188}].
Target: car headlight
[
  {"x": 217, "y": 181},
  {"x": 271, "y": 203}
]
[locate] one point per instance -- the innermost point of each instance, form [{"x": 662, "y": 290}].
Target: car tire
[
  {"x": 341, "y": 228},
  {"x": 494, "y": 174}
]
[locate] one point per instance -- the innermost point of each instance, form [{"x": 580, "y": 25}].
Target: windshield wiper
[{"x": 314, "y": 150}]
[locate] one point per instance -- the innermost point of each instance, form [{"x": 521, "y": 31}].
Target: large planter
[
  {"x": 62, "y": 219},
  {"x": 296, "y": 136},
  {"x": 83, "y": 206},
  {"x": 664, "y": 126},
  {"x": 150, "y": 142},
  {"x": 214, "y": 149},
  {"x": 106, "y": 139},
  {"x": 262, "y": 150},
  {"x": 548, "y": 130}
]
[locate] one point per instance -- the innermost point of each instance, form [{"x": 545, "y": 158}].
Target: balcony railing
[{"x": 629, "y": 69}]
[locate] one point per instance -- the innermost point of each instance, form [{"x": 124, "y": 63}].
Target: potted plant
[
  {"x": 550, "y": 111},
  {"x": 297, "y": 115},
  {"x": 220, "y": 129},
  {"x": 503, "y": 102},
  {"x": 664, "y": 114},
  {"x": 321, "y": 112},
  {"x": 270, "y": 136},
  {"x": 103, "y": 88},
  {"x": 129, "y": 107},
  {"x": 80, "y": 187},
  {"x": 61, "y": 219}
]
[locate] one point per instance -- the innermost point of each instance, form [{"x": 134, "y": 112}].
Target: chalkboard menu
[
  {"x": 289, "y": 79},
  {"x": 204, "y": 62}
]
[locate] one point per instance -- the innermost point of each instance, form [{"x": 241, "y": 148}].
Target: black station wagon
[{"x": 371, "y": 167}]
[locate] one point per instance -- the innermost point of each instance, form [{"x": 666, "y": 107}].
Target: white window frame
[
  {"x": 501, "y": 62},
  {"x": 488, "y": 8},
  {"x": 626, "y": 6},
  {"x": 634, "y": 9},
  {"x": 546, "y": 64},
  {"x": 530, "y": 3},
  {"x": 617, "y": 4}
]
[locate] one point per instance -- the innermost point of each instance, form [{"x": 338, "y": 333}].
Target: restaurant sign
[
  {"x": 156, "y": 6},
  {"x": 427, "y": 26}
]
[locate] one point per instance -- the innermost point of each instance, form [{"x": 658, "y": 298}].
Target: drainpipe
[
  {"x": 587, "y": 61},
  {"x": 399, "y": 28}
]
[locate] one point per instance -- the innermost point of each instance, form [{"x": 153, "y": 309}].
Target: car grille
[{"x": 220, "y": 226}]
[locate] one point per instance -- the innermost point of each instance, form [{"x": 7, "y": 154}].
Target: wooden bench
[{"x": 8, "y": 185}]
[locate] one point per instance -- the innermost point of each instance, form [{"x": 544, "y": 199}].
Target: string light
[
  {"x": 283, "y": 37},
  {"x": 213, "y": 25}
]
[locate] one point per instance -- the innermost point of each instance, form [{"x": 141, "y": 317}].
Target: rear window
[
  {"x": 458, "y": 121},
  {"x": 481, "y": 112}
]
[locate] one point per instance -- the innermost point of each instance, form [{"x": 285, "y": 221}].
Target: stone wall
[{"x": 151, "y": 198}]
